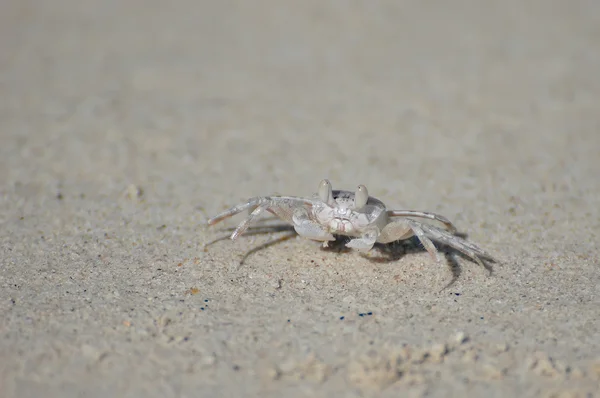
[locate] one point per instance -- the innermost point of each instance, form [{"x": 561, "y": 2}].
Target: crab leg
[
  {"x": 278, "y": 205},
  {"x": 424, "y": 239},
  {"x": 463, "y": 246},
  {"x": 453, "y": 240},
  {"x": 422, "y": 214},
  {"x": 244, "y": 224},
  {"x": 233, "y": 211}
]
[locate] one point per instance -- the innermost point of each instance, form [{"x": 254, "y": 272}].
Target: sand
[{"x": 124, "y": 125}]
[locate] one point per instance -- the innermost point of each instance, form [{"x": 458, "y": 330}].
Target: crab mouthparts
[{"x": 340, "y": 225}]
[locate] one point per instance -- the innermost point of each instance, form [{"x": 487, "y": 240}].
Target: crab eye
[
  {"x": 361, "y": 196},
  {"x": 325, "y": 192}
]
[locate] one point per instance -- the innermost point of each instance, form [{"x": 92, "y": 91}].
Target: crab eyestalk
[
  {"x": 325, "y": 191},
  {"x": 361, "y": 196}
]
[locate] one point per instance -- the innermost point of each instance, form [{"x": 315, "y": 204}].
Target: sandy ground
[{"x": 124, "y": 125}]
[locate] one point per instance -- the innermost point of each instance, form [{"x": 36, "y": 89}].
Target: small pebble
[{"x": 459, "y": 339}]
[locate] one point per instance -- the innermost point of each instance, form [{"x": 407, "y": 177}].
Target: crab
[{"x": 363, "y": 218}]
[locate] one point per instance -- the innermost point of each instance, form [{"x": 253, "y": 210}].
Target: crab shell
[{"x": 348, "y": 213}]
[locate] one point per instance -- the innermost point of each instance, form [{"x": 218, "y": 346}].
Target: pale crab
[{"x": 357, "y": 215}]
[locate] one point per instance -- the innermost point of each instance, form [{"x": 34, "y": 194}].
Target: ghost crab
[{"x": 363, "y": 218}]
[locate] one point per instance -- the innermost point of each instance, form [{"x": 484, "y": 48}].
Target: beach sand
[{"x": 124, "y": 125}]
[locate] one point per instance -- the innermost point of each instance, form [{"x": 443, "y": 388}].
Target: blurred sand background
[{"x": 123, "y": 125}]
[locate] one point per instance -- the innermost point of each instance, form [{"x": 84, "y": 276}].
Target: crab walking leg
[
  {"x": 423, "y": 214},
  {"x": 272, "y": 201},
  {"x": 457, "y": 243},
  {"x": 246, "y": 223},
  {"x": 234, "y": 210},
  {"x": 427, "y": 243},
  {"x": 447, "y": 238}
]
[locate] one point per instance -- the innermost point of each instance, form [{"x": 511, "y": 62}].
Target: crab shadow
[
  {"x": 394, "y": 251},
  {"x": 259, "y": 230},
  {"x": 387, "y": 252}
]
